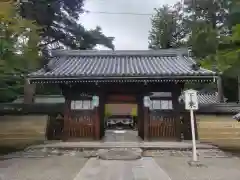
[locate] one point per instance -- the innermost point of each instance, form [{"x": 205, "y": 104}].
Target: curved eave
[{"x": 60, "y": 80}]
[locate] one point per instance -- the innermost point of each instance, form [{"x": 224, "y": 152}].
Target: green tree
[
  {"x": 60, "y": 19},
  {"x": 228, "y": 58},
  {"x": 211, "y": 37},
  {"x": 168, "y": 28},
  {"x": 203, "y": 40},
  {"x": 62, "y": 28},
  {"x": 207, "y": 28},
  {"x": 18, "y": 50},
  {"x": 213, "y": 12},
  {"x": 234, "y": 12}
]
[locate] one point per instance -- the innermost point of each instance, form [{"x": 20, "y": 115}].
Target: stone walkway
[
  {"x": 164, "y": 165},
  {"x": 123, "y": 139},
  {"x": 142, "y": 169},
  {"x": 121, "y": 136},
  {"x": 106, "y": 145},
  {"x": 159, "y": 161},
  {"x": 49, "y": 168},
  {"x": 213, "y": 168}
]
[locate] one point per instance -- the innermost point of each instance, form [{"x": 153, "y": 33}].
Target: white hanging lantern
[
  {"x": 95, "y": 101},
  {"x": 146, "y": 101}
]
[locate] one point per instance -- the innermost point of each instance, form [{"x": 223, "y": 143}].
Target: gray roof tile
[
  {"x": 120, "y": 64},
  {"x": 231, "y": 108},
  {"x": 205, "y": 98}
]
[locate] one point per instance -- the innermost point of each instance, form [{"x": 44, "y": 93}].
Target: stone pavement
[
  {"x": 142, "y": 169},
  {"x": 121, "y": 136},
  {"x": 49, "y": 168},
  {"x": 213, "y": 168},
  {"x": 145, "y": 161},
  {"x": 106, "y": 145},
  {"x": 164, "y": 165},
  {"x": 123, "y": 139}
]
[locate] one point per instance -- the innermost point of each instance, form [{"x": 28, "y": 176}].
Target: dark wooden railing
[{"x": 162, "y": 124}]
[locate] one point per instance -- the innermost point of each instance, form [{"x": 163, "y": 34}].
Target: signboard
[
  {"x": 191, "y": 104},
  {"x": 191, "y": 99}
]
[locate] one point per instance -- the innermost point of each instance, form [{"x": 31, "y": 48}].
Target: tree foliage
[
  {"x": 23, "y": 43},
  {"x": 60, "y": 19},
  {"x": 167, "y": 28},
  {"x": 18, "y": 49},
  {"x": 203, "y": 40},
  {"x": 211, "y": 30},
  {"x": 228, "y": 58}
]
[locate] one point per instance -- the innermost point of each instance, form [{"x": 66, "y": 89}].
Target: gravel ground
[
  {"x": 212, "y": 169},
  {"x": 48, "y": 168}
]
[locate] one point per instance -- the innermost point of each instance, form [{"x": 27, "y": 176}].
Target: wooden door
[
  {"x": 80, "y": 124},
  {"x": 162, "y": 125}
]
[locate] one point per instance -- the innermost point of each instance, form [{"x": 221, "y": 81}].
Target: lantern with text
[
  {"x": 146, "y": 101},
  {"x": 95, "y": 101}
]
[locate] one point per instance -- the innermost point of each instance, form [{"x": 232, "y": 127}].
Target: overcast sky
[{"x": 130, "y": 31}]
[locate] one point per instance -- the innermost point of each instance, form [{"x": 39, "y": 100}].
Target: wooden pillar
[
  {"x": 102, "y": 102},
  {"x": 196, "y": 127},
  {"x": 99, "y": 117},
  {"x": 140, "y": 116},
  {"x": 96, "y": 123},
  {"x": 146, "y": 122},
  {"x": 67, "y": 114},
  {"x": 238, "y": 84},
  {"x": 220, "y": 89},
  {"x": 29, "y": 92},
  {"x": 145, "y": 118},
  {"x": 176, "y": 107}
]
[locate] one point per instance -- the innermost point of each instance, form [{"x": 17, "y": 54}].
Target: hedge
[{"x": 43, "y": 108}]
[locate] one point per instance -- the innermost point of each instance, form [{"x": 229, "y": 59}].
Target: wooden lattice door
[
  {"x": 162, "y": 125},
  {"x": 80, "y": 124}
]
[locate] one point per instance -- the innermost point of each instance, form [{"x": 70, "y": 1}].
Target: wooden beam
[
  {"x": 140, "y": 116},
  {"x": 97, "y": 123},
  {"x": 146, "y": 122},
  {"x": 176, "y": 106},
  {"x": 67, "y": 109},
  {"x": 220, "y": 89}
]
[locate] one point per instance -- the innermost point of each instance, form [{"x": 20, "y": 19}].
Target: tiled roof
[
  {"x": 209, "y": 103},
  {"x": 225, "y": 108},
  {"x": 120, "y": 64},
  {"x": 205, "y": 98}
]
